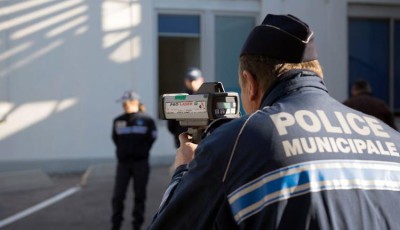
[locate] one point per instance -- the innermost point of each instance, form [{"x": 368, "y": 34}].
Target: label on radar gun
[{"x": 185, "y": 107}]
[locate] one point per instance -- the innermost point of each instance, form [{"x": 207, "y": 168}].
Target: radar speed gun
[{"x": 197, "y": 111}]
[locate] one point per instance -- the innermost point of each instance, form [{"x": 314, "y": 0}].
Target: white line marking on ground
[{"x": 39, "y": 206}]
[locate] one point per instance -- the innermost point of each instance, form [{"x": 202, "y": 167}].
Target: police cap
[
  {"x": 282, "y": 37},
  {"x": 193, "y": 74},
  {"x": 128, "y": 95}
]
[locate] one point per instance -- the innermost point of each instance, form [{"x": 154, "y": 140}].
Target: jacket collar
[{"x": 289, "y": 82}]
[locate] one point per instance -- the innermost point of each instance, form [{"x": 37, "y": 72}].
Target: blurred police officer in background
[
  {"x": 362, "y": 100},
  {"x": 193, "y": 80},
  {"x": 299, "y": 159},
  {"x": 133, "y": 134}
]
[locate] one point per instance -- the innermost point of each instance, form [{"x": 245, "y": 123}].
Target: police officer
[
  {"x": 299, "y": 159},
  {"x": 133, "y": 133},
  {"x": 193, "y": 80}
]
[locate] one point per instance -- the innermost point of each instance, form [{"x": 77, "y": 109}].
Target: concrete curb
[
  {"x": 98, "y": 173},
  {"x": 24, "y": 180}
]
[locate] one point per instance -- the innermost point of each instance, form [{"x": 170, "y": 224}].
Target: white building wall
[
  {"x": 328, "y": 20},
  {"x": 63, "y": 63}
]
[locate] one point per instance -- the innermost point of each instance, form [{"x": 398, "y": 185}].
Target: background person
[
  {"x": 133, "y": 134},
  {"x": 362, "y": 100},
  {"x": 193, "y": 80},
  {"x": 299, "y": 159}
]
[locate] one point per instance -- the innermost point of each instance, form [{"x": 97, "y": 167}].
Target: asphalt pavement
[{"x": 76, "y": 201}]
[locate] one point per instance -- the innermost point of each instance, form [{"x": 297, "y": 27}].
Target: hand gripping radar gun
[{"x": 196, "y": 111}]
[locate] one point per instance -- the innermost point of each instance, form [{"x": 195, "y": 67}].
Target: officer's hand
[{"x": 185, "y": 152}]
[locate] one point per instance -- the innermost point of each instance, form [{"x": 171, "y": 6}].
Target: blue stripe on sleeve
[{"x": 312, "y": 177}]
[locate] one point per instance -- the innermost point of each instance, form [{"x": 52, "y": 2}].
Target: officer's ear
[{"x": 251, "y": 84}]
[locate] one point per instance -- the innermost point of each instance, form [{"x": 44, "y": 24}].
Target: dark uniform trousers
[{"x": 139, "y": 172}]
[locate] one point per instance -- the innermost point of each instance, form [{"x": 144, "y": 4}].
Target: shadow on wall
[{"x": 62, "y": 64}]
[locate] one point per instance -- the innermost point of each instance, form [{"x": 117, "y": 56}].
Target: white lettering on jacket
[
  {"x": 314, "y": 122},
  {"x": 340, "y": 123}
]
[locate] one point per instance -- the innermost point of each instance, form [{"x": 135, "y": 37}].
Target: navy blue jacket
[
  {"x": 133, "y": 135},
  {"x": 303, "y": 161}
]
